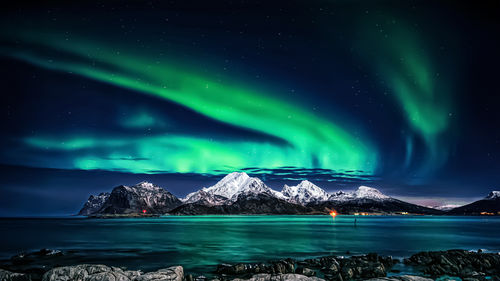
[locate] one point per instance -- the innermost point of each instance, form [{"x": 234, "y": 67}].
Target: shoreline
[
  {"x": 464, "y": 264},
  {"x": 122, "y": 216}
]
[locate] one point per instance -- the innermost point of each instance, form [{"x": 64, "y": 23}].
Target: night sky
[{"x": 398, "y": 95}]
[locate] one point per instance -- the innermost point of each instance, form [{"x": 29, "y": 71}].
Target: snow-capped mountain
[
  {"x": 204, "y": 197},
  {"x": 238, "y": 193},
  {"x": 142, "y": 197},
  {"x": 94, "y": 203},
  {"x": 366, "y": 192},
  {"x": 230, "y": 187},
  {"x": 490, "y": 205},
  {"x": 303, "y": 193},
  {"x": 363, "y": 192}
]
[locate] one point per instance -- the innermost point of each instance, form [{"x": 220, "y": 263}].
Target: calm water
[{"x": 200, "y": 242}]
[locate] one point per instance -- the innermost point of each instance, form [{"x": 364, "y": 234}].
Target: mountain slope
[
  {"x": 303, "y": 193},
  {"x": 203, "y": 197},
  {"x": 230, "y": 187},
  {"x": 489, "y": 205},
  {"x": 363, "y": 192},
  {"x": 246, "y": 203},
  {"x": 94, "y": 204},
  {"x": 143, "y": 197},
  {"x": 369, "y": 200},
  {"x": 237, "y": 193}
]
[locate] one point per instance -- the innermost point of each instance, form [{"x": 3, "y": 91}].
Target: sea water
[{"x": 199, "y": 243}]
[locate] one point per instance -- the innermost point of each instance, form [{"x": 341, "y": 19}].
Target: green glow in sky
[
  {"x": 313, "y": 141},
  {"x": 404, "y": 61}
]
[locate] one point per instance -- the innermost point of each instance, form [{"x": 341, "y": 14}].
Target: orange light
[{"x": 333, "y": 214}]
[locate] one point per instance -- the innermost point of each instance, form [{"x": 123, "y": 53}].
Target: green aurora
[
  {"x": 308, "y": 139},
  {"x": 422, "y": 90},
  {"x": 311, "y": 141}
]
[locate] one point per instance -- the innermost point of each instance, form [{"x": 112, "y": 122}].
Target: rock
[
  {"x": 99, "y": 272},
  {"x": 305, "y": 271},
  {"x": 347, "y": 273},
  {"x": 459, "y": 263},
  {"x": 174, "y": 273},
  {"x": 279, "y": 267},
  {"x": 25, "y": 258},
  {"x": 280, "y": 277},
  {"x": 401, "y": 278},
  {"x": 12, "y": 276},
  {"x": 94, "y": 272}
]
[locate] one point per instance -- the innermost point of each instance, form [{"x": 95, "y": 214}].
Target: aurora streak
[{"x": 311, "y": 141}]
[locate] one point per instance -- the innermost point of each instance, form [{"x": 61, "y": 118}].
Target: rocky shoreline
[{"x": 438, "y": 265}]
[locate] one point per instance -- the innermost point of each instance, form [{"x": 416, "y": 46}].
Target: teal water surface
[{"x": 200, "y": 242}]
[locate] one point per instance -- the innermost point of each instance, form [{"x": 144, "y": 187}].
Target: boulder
[
  {"x": 12, "y": 276},
  {"x": 305, "y": 271},
  {"x": 174, "y": 273},
  {"x": 459, "y": 263},
  {"x": 26, "y": 258},
  {"x": 88, "y": 272},
  {"x": 401, "y": 278},
  {"x": 280, "y": 277},
  {"x": 276, "y": 267},
  {"x": 99, "y": 272}
]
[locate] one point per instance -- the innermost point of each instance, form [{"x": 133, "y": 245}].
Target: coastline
[{"x": 431, "y": 265}]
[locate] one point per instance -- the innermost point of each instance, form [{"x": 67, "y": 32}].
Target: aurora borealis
[
  {"x": 310, "y": 141},
  {"x": 397, "y": 95}
]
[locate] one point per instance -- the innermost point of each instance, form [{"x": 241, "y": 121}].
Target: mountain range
[{"x": 238, "y": 193}]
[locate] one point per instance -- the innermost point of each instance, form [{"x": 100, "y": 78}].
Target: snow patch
[{"x": 493, "y": 195}]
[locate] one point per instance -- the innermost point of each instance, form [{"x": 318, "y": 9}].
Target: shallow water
[{"x": 200, "y": 242}]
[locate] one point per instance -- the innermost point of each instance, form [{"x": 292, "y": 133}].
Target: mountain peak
[
  {"x": 493, "y": 195},
  {"x": 304, "y": 192},
  {"x": 235, "y": 177},
  {"x": 136, "y": 199},
  {"x": 369, "y": 193},
  {"x": 145, "y": 186},
  {"x": 231, "y": 186}
]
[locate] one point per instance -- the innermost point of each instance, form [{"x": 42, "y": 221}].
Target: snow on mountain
[
  {"x": 304, "y": 193},
  {"x": 94, "y": 203},
  {"x": 234, "y": 184},
  {"x": 231, "y": 186},
  {"x": 363, "y": 192},
  {"x": 341, "y": 196},
  {"x": 366, "y": 192},
  {"x": 150, "y": 193},
  {"x": 446, "y": 207},
  {"x": 204, "y": 197},
  {"x": 493, "y": 195}
]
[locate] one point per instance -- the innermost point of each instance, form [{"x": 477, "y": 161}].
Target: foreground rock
[
  {"x": 25, "y": 258},
  {"x": 356, "y": 267},
  {"x": 459, "y": 263},
  {"x": 99, "y": 272},
  {"x": 12, "y": 276},
  {"x": 332, "y": 268},
  {"x": 401, "y": 278},
  {"x": 277, "y": 267},
  {"x": 280, "y": 277}
]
